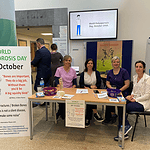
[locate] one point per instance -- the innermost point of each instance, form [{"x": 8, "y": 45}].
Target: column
[{"x": 7, "y": 24}]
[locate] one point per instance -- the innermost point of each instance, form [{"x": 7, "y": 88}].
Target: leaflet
[
  {"x": 82, "y": 91},
  {"x": 103, "y": 95}
]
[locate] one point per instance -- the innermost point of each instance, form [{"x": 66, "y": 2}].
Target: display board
[
  {"x": 15, "y": 88},
  {"x": 110, "y": 49}
]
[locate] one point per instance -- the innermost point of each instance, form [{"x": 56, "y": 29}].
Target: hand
[
  {"x": 86, "y": 87},
  {"x": 74, "y": 86},
  {"x": 58, "y": 85},
  {"x": 93, "y": 87},
  {"x": 131, "y": 98}
]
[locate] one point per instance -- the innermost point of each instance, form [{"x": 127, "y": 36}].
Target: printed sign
[
  {"x": 75, "y": 113},
  {"x": 15, "y": 88}
]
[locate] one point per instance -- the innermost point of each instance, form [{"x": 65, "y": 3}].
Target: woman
[
  {"x": 69, "y": 77},
  {"x": 116, "y": 78},
  {"x": 90, "y": 78},
  {"x": 139, "y": 100},
  {"x": 56, "y": 61}
]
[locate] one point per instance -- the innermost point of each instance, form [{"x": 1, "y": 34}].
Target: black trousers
[
  {"x": 89, "y": 111},
  {"x": 61, "y": 110},
  {"x": 108, "y": 111}
]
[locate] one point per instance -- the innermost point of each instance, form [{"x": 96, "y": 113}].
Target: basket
[
  {"x": 113, "y": 92},
  {"x": 50, "y": 91}
]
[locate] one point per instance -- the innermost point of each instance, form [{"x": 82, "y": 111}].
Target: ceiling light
[{"x": 46, "y": 33}]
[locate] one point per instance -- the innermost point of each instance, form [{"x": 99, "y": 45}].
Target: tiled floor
[{"x": 50, "y": 136}]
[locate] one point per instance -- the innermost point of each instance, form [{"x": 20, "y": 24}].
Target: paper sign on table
[
  {"x": 113, "y": 100},
  {"x": 82, "y": 91}
]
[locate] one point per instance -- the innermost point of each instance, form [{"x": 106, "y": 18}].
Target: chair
[
  {"x": 137, "y": 115},
  {"x": 130, "y": 87}
]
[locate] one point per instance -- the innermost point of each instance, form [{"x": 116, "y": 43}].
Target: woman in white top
[
  {"x": 141, "y": 88},
  {"x": 139, "y": 100},
  {"x": 90, "y": 78}
]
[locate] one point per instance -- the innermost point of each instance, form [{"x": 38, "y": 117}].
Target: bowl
[{"x": 50, "y": 91}]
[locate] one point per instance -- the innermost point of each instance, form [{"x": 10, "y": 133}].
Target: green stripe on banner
[{"x": 7, "y": 33}]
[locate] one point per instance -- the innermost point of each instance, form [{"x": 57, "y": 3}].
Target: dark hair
[
  {"x": 86, "y": 69},
  {"x": 54, "y": 47},
  {"x": 142, "y": 62},
  {"x": 40, "y": 40}
]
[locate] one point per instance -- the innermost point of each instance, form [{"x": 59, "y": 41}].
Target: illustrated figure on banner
[
  {"x": 111, "y": 53},
  {"x": 78, "y": 20}
]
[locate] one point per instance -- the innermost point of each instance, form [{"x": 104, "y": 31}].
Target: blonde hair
[
  {"x": 115, "y": 58},
  {"x": 66, "y": 57}
]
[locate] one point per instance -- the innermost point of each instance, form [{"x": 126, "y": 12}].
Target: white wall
[{"x": 134, "y": 22}]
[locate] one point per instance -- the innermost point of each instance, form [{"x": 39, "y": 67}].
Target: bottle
[
  {"x": 42, "y": 84},
  {"x": 120, "y": 137},
  {"x": 61, "y": 83}
]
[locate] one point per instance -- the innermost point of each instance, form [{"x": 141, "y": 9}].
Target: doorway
[{"x": 33, "y": 48}]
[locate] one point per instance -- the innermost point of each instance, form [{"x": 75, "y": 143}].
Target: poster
[
  {"x": 62, "y": 41},
  {"x": 63, "y": 32},
  {"x": 105, "y": 52},
  {"x": 75, "y": 113},
  {"x": 61, "y": 45},
  {"x": 15, "y": 88}
]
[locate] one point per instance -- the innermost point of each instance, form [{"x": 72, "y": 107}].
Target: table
[{"x": 88, "y": 98}]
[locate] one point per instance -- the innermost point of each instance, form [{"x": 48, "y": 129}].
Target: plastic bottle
[
  {"x": 120, "y": 137},
  {"x": 42, "y": 84}
]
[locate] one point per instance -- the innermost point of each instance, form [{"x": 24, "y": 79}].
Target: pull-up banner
[{"x": 15, "y": 88}]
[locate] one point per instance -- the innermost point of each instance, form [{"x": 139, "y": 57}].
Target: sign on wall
[
  {"x": 15, "y": 88},
  {"x": 62, "y": 41}
]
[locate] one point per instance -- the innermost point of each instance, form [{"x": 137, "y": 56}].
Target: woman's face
[
  {"x": 139, "y": 68},
  {"x": 67, "y": 62},
  {"x": 90, "y": 65},
  {"x": 116, "y": 63}
]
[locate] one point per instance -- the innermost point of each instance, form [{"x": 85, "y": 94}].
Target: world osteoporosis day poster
[
  {"x": 105, "y": 52},
  {"x": 15, "y": 88}
]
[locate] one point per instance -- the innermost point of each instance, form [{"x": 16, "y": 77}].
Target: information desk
[{"x": 89, "y": 98}]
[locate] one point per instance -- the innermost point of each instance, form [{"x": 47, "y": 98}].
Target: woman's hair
[
  {"x": 54, "y": 47},
  {"x": 66, "y": 57},
  {"x": 115, "y": 58},
  {"x": 142, "y": 62},
  {"x": 86, "y": 69}
]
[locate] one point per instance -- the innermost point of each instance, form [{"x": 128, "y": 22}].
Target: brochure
[{"x": 82, "y": 91}]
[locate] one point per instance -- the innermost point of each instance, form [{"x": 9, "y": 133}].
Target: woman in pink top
[{"x": 69, "y": 77}]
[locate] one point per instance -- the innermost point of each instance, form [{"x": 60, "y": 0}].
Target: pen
[{"x": 94, "y": 95}]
